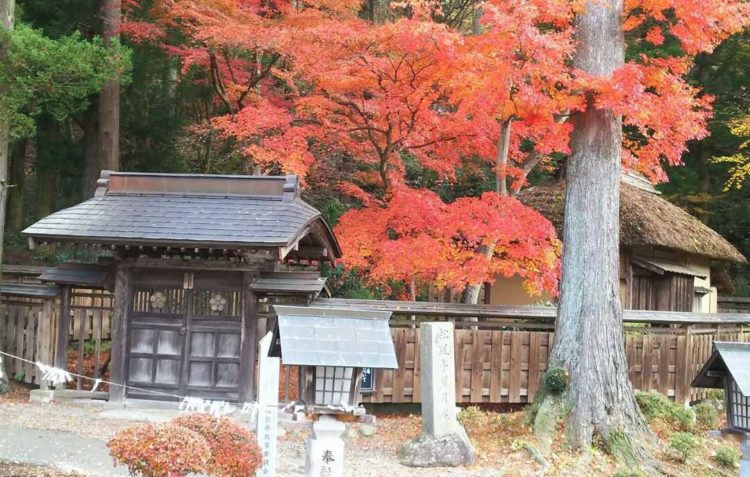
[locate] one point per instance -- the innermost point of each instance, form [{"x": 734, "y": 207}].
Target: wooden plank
[
  {"x": 496, "y": 366},
  {"x": 514, "y": 386},
  {"x": 81, "y": 317},
  {"x": 417, "y": 394},
  {"x": 681, "y": 371},
  {"x": 535, "y": 348},
  {"x": 664, "y": 362},
  {"x": 477, "y": 365},
  {"x": 525, "y": 312},
  {"x": 399, "y": 374},
  {"x": 98, "y": 321},
  {"x": 63, "y": 336},
  {"x": 648, "y": 358},
  {"x": 459, "y": 359}
]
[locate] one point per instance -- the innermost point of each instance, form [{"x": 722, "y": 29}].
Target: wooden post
[
  {"x": 63, "y": 328},
  {"x": 249, "y": 341},
  {"x": 118, "y": 353}
]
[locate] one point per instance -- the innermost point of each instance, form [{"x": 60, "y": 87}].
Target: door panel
[
  {"x": 185, "y": 331},
  {"x": 158, "y": 320}
]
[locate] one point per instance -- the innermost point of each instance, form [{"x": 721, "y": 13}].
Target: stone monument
[
  {"x": 325, "y": 449},
  {"x": 443, "y": 441},
  {"x": 268, "y": 406}
]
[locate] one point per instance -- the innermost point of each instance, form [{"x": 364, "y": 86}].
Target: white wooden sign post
[{"x": 268, "y": 405}]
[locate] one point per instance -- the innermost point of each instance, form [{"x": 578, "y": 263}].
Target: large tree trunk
[
  {"x": 589, "y": 341},
  {"x": 7, "y": 8},
  {"x": 17, "y": 180},
  {"x": 109, "y": 98},
  {"x": 90, "y": 128}
]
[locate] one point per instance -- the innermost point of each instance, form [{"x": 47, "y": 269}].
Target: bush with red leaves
[
  {"x": 165, "y": 450},
  {"x": 234, "y": 450}
]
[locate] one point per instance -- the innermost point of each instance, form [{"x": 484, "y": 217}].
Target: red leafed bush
[
  {"x": 163, "y": 450},
  {"x": 234, "y": 450}
]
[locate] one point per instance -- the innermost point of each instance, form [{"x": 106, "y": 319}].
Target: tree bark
[
  {"x": 471, "y": 292},
  {"x": 17, "y": 180},
  {"x": 589, "y": 342},
  {"x": 109, "y": 98},
  {"x": 90, "y": 128},
  {"x": 7, "y": 8}
]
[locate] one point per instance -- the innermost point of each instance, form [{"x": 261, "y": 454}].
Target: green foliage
[
  {"x": 556, "y": 381},
  {"x": 683, "y": 417},
  {"x": 715, "y": 395},
  {"x": 346, "y": 283},
  {"x": 53, "y": 76},
  {"x": 469, "y": 414},
  {"x": 728, "y": 457},
  {"x": 653, "y": 404},
  {"x": 683, "y": 444},
  {"x": 89, "y": 346},
  {"x": 706, "y": 415}
]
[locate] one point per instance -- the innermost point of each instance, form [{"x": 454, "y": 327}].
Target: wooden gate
[{"x": 184, "y": 335}]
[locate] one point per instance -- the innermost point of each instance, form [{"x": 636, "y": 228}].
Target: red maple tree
[{"x": 301, "y": 81}]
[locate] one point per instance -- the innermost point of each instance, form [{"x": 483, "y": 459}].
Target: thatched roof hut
[{"x": 646, "y": 220}]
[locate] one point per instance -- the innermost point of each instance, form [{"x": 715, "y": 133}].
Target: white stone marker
[
  {"x": 325, "y": 449},
  {"x": 268, "y": 405},
  {"x": 438, "y": 379}
]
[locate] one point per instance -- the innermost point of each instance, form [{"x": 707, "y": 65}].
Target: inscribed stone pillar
[
  {"x": 268, "y": 405},
  {"x": 438, "y": 379},
  {"x": 443, "y": 441}
]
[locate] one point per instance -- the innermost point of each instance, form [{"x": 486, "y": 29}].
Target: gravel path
[{"x": 72, "y": 436}]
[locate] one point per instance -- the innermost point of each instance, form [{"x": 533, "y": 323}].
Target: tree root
[
  {"x": 538, "y": 457},
  {"x": 631, "y": 446}
]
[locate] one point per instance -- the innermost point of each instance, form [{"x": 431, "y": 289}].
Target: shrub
[
  {"x": 728, "y": 457},
  {"x": 653, "y": 404},
  {"x": 683, "y": 444},
  {"x": 469, "y": 415},
  {"x": 706, "y": 415},
  {"x": 715, "y": 395},
  {"x": 683, "y": 417},
  {"x": 556, "y": 381},
  {"x": 160, "y": 450},
  {"x": 234, "y": 450}
]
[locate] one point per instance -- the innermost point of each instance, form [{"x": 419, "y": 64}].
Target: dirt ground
[{"x": 501, "y": 440}]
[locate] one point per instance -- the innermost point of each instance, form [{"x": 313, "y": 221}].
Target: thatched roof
[{"x": 646, "y": 219}]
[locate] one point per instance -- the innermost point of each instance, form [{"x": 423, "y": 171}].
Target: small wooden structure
[
  {"x": 331, "y": 347},
  {"x": 728, "y": 368},
  {"x": 191, "y": 255},
  {"x": 666, "y": 254}
]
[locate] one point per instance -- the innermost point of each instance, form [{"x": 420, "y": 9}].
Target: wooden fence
[
  {"x": 501, "y": 352},
  {"x": 28, "y": 327}
]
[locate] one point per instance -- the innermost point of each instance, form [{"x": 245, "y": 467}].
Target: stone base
[
  {"x": 447, "y": 451},
  {"x": 43, "y": 396}
]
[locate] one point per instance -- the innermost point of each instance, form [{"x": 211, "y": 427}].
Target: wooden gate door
[
  {"x": 212, "y": 364},
  {"x": 184, "y": 335},
  {"x": 157, "y": 329}
]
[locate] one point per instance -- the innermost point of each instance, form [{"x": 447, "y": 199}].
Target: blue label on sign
[{"x": 368, "y": 380}]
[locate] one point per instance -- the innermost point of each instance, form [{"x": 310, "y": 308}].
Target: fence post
[{"x": 63, "y": 328}]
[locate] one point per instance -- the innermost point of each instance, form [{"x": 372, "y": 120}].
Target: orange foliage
[{"x": 297, "y": 78}]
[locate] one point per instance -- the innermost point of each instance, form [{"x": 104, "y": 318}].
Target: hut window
[
  {"x": 739, "y": 407},
  {"x": 332, "y": 384}
]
